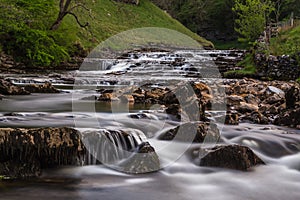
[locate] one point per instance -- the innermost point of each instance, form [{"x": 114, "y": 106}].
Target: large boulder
[
  {"x": 24, "y": 152},
  {"x": 232, "y": 157}
]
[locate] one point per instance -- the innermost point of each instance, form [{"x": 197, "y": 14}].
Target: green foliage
[
  {"x": 287, "y": 42},
  {"x": 248, "y": 65},
  {"x": 36, "y": 48},
  {"x": 251, "y": 18},
  {"x": 24, "y": 32}
]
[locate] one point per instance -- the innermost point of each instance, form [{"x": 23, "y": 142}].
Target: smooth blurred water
[{"x": 181, "y": 179}]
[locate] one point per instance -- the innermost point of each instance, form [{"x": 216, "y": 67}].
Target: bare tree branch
[
  {"x": 77, "y": 20},
  {"x": 64, "y": 9}
]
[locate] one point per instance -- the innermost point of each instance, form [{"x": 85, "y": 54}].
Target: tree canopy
[{"x": 251, "y": 17}]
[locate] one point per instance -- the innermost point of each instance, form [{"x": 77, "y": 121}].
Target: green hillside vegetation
[
  {"x": 25, "y": 27},
  {"x": 287, "y": 42}
]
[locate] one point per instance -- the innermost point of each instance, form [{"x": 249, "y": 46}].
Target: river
[{"x": 179, "y": 177}]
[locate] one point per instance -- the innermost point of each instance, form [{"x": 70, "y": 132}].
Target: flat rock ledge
[
  {"x": 8, "y": 88},
  {"x": 25, "y": 152}
]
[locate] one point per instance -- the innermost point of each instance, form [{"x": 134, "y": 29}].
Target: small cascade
[{"x": 119, "y": 149}]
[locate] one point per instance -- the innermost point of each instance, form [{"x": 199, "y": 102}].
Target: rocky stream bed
[{"x": 91, "y": 130}]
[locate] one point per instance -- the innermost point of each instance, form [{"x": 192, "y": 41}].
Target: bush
[{"x": 35, "y": 47}]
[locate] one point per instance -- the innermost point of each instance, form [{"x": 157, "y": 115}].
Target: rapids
[{"x": 180, "y": 178}]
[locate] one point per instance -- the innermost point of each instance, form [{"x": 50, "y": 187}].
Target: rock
[
  {"x": 232, "y": 118},
  {"x": 108, "y": 97},
  {"x": 195, "y": 132},
  {"x": 291, "y": 96},
  {"x": 234, "y": 100},
  {"x": 275, "y": 90},
  {"x": 145, "y": 160},
  {"x": 232, "y": 157},
  {"x": 246, "y": 108},
  {"x": 170, "y": 98},
  {"x": 255, "y": 117},
  {"x": 252, "y": 99},
  {"x": 288, "y": 118},
  {"x": 174, "y": 110},
  {"x": 7, "y": 88},
  {"x": 27, "y": 151},
  {"x": 44, "y": 88},
  {"x": 127, "y": 98},
  {"x": 275, "y": 98}
]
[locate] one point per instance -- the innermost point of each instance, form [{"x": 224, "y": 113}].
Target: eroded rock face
[
  {"x": 24, "y": 152},
  {"x": 232, "y": 157}
]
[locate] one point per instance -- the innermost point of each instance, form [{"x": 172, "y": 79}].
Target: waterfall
[{"x": 125, "y": 150}]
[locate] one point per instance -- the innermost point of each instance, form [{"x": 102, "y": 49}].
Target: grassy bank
[
  {"x": 24, "y": 27},
  {"x": 287, "y": 42}
]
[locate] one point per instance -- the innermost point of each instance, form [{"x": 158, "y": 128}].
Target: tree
[
  {"x": 66, "y": 8},
  {"x": 252, "y": 16}
]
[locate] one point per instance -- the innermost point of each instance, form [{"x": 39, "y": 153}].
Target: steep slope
[{"x": 25, "y": 27}]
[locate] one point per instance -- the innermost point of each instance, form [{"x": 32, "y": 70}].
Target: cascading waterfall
[{"x": 111, "y": 146}]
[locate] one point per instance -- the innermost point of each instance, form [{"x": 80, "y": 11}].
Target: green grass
[
  {"x": 25, "y": 29},
  {"x": 110, "y": 18},
  {"x": 287, "y": 42}
]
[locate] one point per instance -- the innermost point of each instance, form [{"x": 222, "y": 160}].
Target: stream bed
[{"x": 179, "y": 178}]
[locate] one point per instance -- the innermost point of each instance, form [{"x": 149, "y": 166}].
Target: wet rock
[
  {"x": 234, "y": 100},
  {"x": 174, "y": 110},
  {"x": 145, "y": 160},
  {"x": 27, "y": 151},
  {"x": 127, "y": 98},
  {"x": 195, "y": 132},
  {"x": 170, "y": 98},
  {"x": 20, "y": 169},
  {"x": 44, "y": 88},
  {"x": 255, "y": 117},
  {"x": 7, "y": 88},
  {"x": 246, "y": 107},
  {"x": 289, "y": 118},
  {"x": 232, "y": 157},
  {"x": 232, "y": 118},
  {"x": 108, "y": 97}
]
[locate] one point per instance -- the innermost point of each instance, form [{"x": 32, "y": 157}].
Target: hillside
[
  {"x": 25, "y": 27},
  {"x": 287, "y": 42}
]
